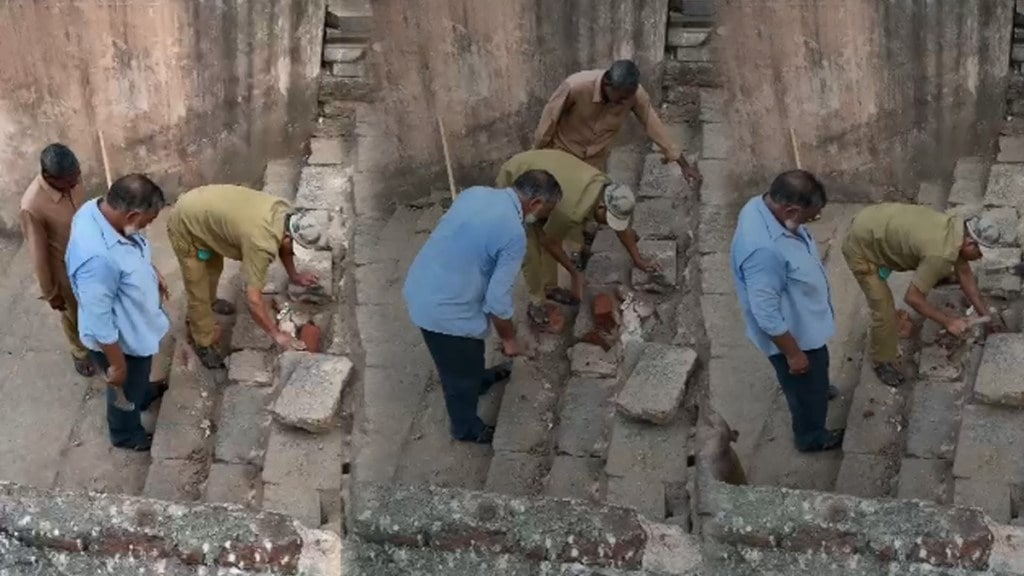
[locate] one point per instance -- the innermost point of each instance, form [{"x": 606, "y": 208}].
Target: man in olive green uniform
[
  {"x": 587, "y": 193},
  {"x": 210, "y": 223},
  {"x": 903, "y": 237}
]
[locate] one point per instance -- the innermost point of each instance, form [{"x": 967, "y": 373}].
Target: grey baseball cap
[
  {"x": 619, "y": 203},
  {"x": 983, "y": 230},
  {"x": 306, "y": 228}
]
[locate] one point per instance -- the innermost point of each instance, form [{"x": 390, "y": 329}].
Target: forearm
[
  {"x": 260, "y": 311},
  {"x": 288, "y": 261},
  {"x": 969, "y": 286},
  {"x": 628, "y": 239},
  {"x": 920, "y": 304},
  {"x": 505, "y": 328},
  {"x": 115, "y": 357},
  {"x": 787, "y": 344}
]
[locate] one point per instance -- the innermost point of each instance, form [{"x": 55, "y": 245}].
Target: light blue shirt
[
  {"x": 469, "y": 264},
  {"x": 780, "y": 280},
  {"x": 115, "y": 284}
]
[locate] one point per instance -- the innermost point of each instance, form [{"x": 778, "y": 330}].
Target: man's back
[
  {"x": 227, "y": 217},
  {"x": 581, "y": 183},
  {"x": 449, "y": 285},
  {"x": 899, "y": 236}
]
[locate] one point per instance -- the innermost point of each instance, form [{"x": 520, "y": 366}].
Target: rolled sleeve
[
  {"x": 498, "y": 298},
  {"x": 553, "y": 110},
  {"x": 96, "y": 283},
  {"x": 255, "y": 263},
  {"x": 762, "y": 272},
  {"x": 930, "y": 271}
]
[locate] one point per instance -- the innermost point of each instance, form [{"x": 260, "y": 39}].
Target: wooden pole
[
  {"x": 796, "y": 149},
  {"x": 106, "y": 162},
  {"x": 447, "y": 158}
]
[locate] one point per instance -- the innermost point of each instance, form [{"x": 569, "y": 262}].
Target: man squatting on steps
[
  {"x": 903, "y": 237},
  {"x": 783, "y": 291},
  {"x": 463, "y": 277},
  {"x": 210, "y": 223}
]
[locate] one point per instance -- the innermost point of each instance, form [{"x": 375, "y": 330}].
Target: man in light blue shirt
[
  {"x": 783, "y": 291},
  {"x": 119, "y": 292},
  {"x": 461, "y": 282}
]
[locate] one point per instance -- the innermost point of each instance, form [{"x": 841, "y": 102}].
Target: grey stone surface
[
  {"x": 590, "y": 360},
  {"x": 968, "y": 181},
  {"x": 664, "y": 253},
  {"x": 1005, "y": 186},
  {"x": 1011, "y": 149},
  {"x": 344, "y": 52},
  {"x": 638, "y": 491},
  {"x": 318, "y": 262},
  {"x": 527, "y": 409},
  {"x": 326, "y": 151},
  {"x": 866, "y": 475},
  {"x": 246, "y": 334},
  {"x": 297, "y": 458},
  {"x": 299, "y": 502},
  {"x": 186, "y": 411},
  {"x": 231, "y": 483},
  {"x": 174, "y": 480},
  {"x": 679, "y": 37},
  {"x": 716, "y": 274},
  {"x": 993, "y": 272},
  {"x": 515, "y": 473},
  {"x": 339, "y": 336},
  {"x": 988, "y": 447},
  {"x": 608, "y": 268},
  {"x": 999, "y": 379},
  {"x": 925, "y": 480},
  {"x": 311, "y": 393},
  {"x": 659, "y": 452},
  {"x": 1006, "y": 220},
  {"x": 250, "y": 366},
  {"x": 429, "y": 217},
  {"x": 993, "y": 498},
  {"x": 875, "y": 419},
  {"x": 932, "y": 193},
  {"x": 655, "y": 218},
  {"x": 572, "y": 477},
  {"x": 934, "y": 364},
  {"x": 585, "y": 416},
  {"x": 348, "y": 69},
  {"x": 281, "y": 178},
  {"x": 323, "y": 188},
  {"x": 717, "y": 140},
  {"x": 718, "y": 224},
  {"x": 724, "y": 324},
  {"x": 934, "y": 419},
  {"x": 717, "y": 187},
  {"x": 379, "y": 283},
  {"x": 242, "y": 425},
  {"x": 656, "y": 387},
  {"x": 659, "y": 180},
  {"x": 712, "y": 105}
]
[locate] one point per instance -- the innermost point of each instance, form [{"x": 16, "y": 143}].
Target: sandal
[
  {"x": 85, "y": 367},
  {"x": 562, "y": 296}
]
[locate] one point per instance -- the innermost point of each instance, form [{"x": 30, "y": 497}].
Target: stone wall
[
  {"x": 189, "y": 92},
  {"x": 879, "y": 94},
  {"x": 1015, "y": 90}
]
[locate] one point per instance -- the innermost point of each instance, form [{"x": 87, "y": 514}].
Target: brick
[
  {"x": 925, "y": 480},
  {"x": 935, "y": 365},
  {"x": 716, "y": 141},
  {"x": 311, "y": 392},
  {"x": 992, "y": 498},
  {"x": 664, "y": 253},
  {"x": 716, "y": 274},
  {"x": 299, "y": 502},
  {"x": 657, "y": 451},
  {"x": 934, "y": 419},
  {"x": 1005, "y": 183},
  {"x": 604, "y": 309},
  {"x": 242, "y": 425},
  {"x": 655, "y": 219},
  {"x": 590, "y": 360},
  {"x": 250, "y": 367},
  {"x": 998, "y": 381},
  {"x": 231, "y": 483},
  {"x": 585, "y": 416},
  {"x": 656, "y": 387},
  {"x": 527, "y": 409},
  {"x": 659, "y": 180},
  {"x": 1011, "y": 149},
  {"x": 186, "y": 411},
  {"x": 515, "y": 473},
  {"x": 968, "y": 181},
  {"x": 875, "y": 418},
  {"x": 572, "y": 477},
  {"x": 638, "y": 491},
  {"x": 246, "y": 334},
  {"x": 866, "y": 475},
  {"x": 297, "y": 458},
  {"x": 988, "y": 447},
  {"x": 323, "y": 188},
  {"x": 344, "y": 52},
  {"x": 174, "y": 480}
]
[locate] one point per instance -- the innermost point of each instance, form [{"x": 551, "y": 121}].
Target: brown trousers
[
  {"x": 883, "y": 335},
  {"x": 200, "y": 279}
]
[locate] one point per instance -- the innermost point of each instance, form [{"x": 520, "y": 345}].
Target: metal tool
[{"x": 121, "y": 402}]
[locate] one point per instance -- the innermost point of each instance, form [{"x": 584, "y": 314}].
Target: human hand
[
  {"x": 957, "y": 326},
  {"x": 57, "y": 303},
  {"x": 647, "y": 264},
  {"x": 798, "y": 363},
  {"x": 116, "y": 375},
  {"x": 515, "y": 346},
  {"x": 305, "y": 279},
  {"x": 693, "y": 176},
  {"x": 288, "y": 342}
]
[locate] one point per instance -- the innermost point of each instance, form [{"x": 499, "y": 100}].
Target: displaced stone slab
[
  {"x": 250, "y": 367},
  {"x": 998, "y": 381},
  {"x": 242, "y": 425},
  {"x": 527, "y": 409},
  {"x": 174, "y": 480},
  {"x": 299, "y": 502},
  {"x": 557, "y": 530},
  {"x": 1005, "y": 186},
  {"x": 934, "y": 364},
  {"x": 655, "y": 219},
  {"x": 232, "y": 484},
  {"x": 716, "y": 274},
  {"x": 659, "y": 452},
  {"x": 988, "y": 447},
  {"x": 926, "y": 480},
  {"x": 717, "y": 141},
  {"x": 311, "y": 393},
  {"x": 664, "y": 253},
  {"x": 992, "y": 498},
  {"x": 993, "y": 271},
  {"x": 866, "y": 475},
  {"x": 934, "y": 419},
  {"x": 1011, "y": 149},
  {"x": 515, "y": 473},
  {"x": 638, "y": 491},
  {"x": 656, "y": 386},
  {"x": 968, "y": 181},
  {"x": 590, "y": 360},
  {"x": 297, "y": 458},
  {"x": 875, "y": 418},
  {"x": 659, "y": 180},
  {"x": 572, "y": 477},
  {"x": 585, "y": 416},
  {"x": 323, "y": 188}
]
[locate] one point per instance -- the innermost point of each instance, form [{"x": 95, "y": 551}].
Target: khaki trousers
[
  {"x": 200, "y": 279},
  {"x": 540, "y": 270},
  {"x": 69, "y": 322},
  {"x": 884, "y": 338}
]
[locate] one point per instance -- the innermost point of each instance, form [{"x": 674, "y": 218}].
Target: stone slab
[
  {"x": 659, "y": 180},
  {"x": 242, "y": 425},
  {"x": 311, "y": 392},
  {"x": 1011, "y": 149},
  {"x": 922, "y": 479},
  {"x": 659, "y": 452},
  {"x": 716, "y": 274},
  {"x": 527, "y": 409},
  {"x": 515, "y": 473},
  {"x": 1007, "y": 221},
  {"x": 934, "y": 364},
  {"x": 344, "y": 52},
  {"x": 608, "y": 268},
  {"x": 246, "y": 334},
  {"x": 641, "y": 492},
  {"x": 989, "y": 445},
  {"x": 712, "y": 105},
  {"x": 999, "y": 380},
  {"x": 1005, "y": 186},
  {"x": 250, "y": 367},
  {"x": 174, "y": 480},
  {"x": 993, "y": 271},
  {"x": 934, "y": 419},
  {"x": 664, "y": 253},
  {"x": 348, "y": 69},
  {"x": 655, "y": 389},
  {"x": 968, "y": 181},
  {"x": 680, "y": 37},
  {"x": 585, "y": 416},
  {"x": 866, "y": 475},
  {"x": 326, "y": 151},
  {"x": 718, "y": 236},
  {"x": 186, "y": 410},
  {"x": 875, "y": 418},
  {"x": 932, "y": 193},
  {"x": 299, "y": 502},
  {"x": 655, "y": 219},
  {"x": 590, "y": 360},
  {"x": 297, "y": 458},
  {"x": 716, "y": 141},
  {"x": 717, "y": 187},
  {"x": 572, "y": 477},
  {"x": 321, "y": 263},
  {"x": 993, "y": 498},
  {"x": 323, "y": 188},
  {"x": 232, "y": 484}
]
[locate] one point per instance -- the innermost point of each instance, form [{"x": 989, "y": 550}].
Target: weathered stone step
[
  {"x": 969, "y": 180},
  {"x": 281, "y": 177}
]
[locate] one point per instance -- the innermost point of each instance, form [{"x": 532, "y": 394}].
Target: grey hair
[
  {"x": 538, "y": 184},
  {"x": 798, "y": 188},
  {"x": 135, "y": 193},
  {"x": 58, "y": 161},
  {"x": 623, "y": 75}
]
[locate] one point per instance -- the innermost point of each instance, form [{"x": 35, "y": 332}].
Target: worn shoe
[
  {"x": 486, "y": 435},
  {"x": 137, "y": 446},
  {"x": 210, "y": 358},
  {"x": 496, "y": 375},
  {"x": 223, "y": 307},
  {"x": 834, "y": 441},
  {"x": 889, "y": 374},
  {"x": 84, "y": 367},
  {"x": 833, "y": 392}
]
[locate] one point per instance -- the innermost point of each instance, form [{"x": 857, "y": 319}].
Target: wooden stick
[
  {"x": 106, "y": 162},
  {"x": 796, "y": 149},
  {"x": 447, "y": 158}
]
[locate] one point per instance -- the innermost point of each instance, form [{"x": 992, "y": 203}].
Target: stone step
[
  {"x": 346, "y": 89},
  {"x": 281, "y": 177},
  {"x": 969, "y": 181}
]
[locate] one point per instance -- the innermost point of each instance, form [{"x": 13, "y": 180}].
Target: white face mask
[
  {"x": 130, "y": 230},
  {"x": 791, "y": 226},
  {"x": 530, "y": 219}
]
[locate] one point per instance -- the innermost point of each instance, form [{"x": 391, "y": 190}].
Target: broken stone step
[
  {"x": 686, "y": 37},
  {"x": 1004, "y": 184},
  {"x": 348, "y": 70},
  {"x": 311, "y": 390},
  {"x": 656, "y": 386}
]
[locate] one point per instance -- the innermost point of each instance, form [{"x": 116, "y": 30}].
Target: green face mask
[
  {"x": 884, "y": 273},
  {"x": 203, "y": 254}
]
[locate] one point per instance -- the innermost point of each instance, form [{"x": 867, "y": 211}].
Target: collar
[
  {"x": 597, "y": 89},
  {"x": 516, "y": 202},
  {"x": 772, "y": 224},
  {"x": 51, "y": 192},
  {"x": 107, "y": 231}
]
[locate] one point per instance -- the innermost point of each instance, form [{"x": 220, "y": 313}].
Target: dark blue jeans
[
  {"x": 126, "y": 427},
  {"x": 460, "y": 366},
  {"x": 807, "y": 396}
]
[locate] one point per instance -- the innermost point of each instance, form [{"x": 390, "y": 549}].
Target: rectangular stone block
[
  {"x": 527, "y": 409},
  {"x": 718, "y": 237},
  {"x": 515, "y": 473},
  {"x": 242, "y": 425},
  {"x": 321, "y": 263},
  {"x": 311, "y": 390},
  {"x": 299, "y": 502},
  {"x": 572, "y": 477},
  {"x": 186, "y": 411},
  {"x": 680, "y": 37},
  {"x": 327, "y": 151},
  {"x": 659, "y": 180},
  {"x": 344, "y": 52},
  {"x": 932, "y": 193},
  {"x": 717, "y": 187},
  {"x": 585, "y": 416},
  {"x": 664, "y": 253},
  {"x": 934, "y": 364},
  {"x": 968, "y": 181},
  {"x": 1011, "y": 149},
  {"x": 716, "y": 274},
  {"x": 656, "y": 387},
  {"x": 875, "y": 418},
  {"x": 246, "y": 334},
  {"x": 723, "y": 321},
  {"x": 608, "y": 268},
  {"x": 590, "y": 360},
  {"x": 323, "y": 188},
  {"x": 174, "y": 480},
  {"x": 655, "y": 219},
  {"x": 925, "y": 480},
  {"x": 999, "y": 380},
  {"x": 993, "y": 498},
  {"x": 659, "y": 452},
  {"x": 934, "y": 419},
  {"x": 643, "y": 493},
  {"x": 232, "y": 483},
  {"x": 712, "y": 105},
  {"x": 250, "y": 367},
  {"x": 866, "y": 475},
  {"x": 1006, "y": 220},
  {"x": 989, "y": 445},
  {"x": 994, "y": 271},
  {"x": 717, "y": 140},
  {"x": 297, "y": 458},
  {"x": 348, "y": 69},
  {"x": 1005, "y": 186}
]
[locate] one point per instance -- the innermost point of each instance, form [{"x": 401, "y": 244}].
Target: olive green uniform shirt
[
  {"x": 905, "y": 237},
  {"x": 237, "y": 223},
  {"x": 581, "y": 183}
]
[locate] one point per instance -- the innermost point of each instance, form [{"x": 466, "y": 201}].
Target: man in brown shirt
[{"x": 46, "y": 211}]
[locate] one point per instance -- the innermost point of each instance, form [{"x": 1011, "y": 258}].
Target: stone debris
[
  {"x": 656, "y": 387},
  {"x": 999, "y": 381},
  {"x": 323, "y": 188},
  {"x": 311, "y": 390},
  {"x": 589, "y": 360},
  {"x": 664, "y": 253},
  {"x": 249, "y": 366},
  {"x": 995, "y": 271}
]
